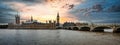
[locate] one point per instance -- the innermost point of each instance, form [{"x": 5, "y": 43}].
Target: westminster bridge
[
  {"x": 89, "y": 27},
  {"x": 95, "y": 27}
]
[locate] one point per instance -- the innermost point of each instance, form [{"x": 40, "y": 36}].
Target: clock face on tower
[{"x": 58, "y": 19}]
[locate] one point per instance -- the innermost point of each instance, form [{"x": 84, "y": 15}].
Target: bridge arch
[
  {"x": 64, "y": 28},
  {"x": 85, "y": 28},
  {"x": 100, "y": 28},
  {"x": 117, "y": 30},
  {"x": 69, "y": 28},
  {"x": 75, "y": 28}
]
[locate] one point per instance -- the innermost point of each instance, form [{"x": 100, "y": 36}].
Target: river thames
[{"x": 57, "y": 37}]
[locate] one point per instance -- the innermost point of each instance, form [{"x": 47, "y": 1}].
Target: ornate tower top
[
  {"x": 17, "y": 15},
  {"x": 58, "y": 19},
  {"x": 58, "y": 14},
  {"x": 17, "y": 19}
]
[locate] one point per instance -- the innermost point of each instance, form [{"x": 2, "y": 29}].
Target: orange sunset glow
[{"x": 47, "y": 10}]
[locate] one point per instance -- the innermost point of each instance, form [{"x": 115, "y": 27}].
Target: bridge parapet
[
  {"x": 101, "y": 27},
  {"x": 3, "y": 23},
  {"x": 97, "y": 27}
]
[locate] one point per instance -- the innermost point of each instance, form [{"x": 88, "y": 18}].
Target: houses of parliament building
[{"x": 33, "y": 24}]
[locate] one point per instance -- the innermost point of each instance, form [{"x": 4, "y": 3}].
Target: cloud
[
  {"x": 6, "y": 13},
  {"x": 74, "y": 10},
  {"x": 114, "y": 8},
  {"x": 97, "y": 11},
  {"x": 41, "y": 9}
]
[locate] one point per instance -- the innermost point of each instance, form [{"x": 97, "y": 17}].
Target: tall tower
[
  {"x": 31, "y": 19},
  {"x": 17, "y": 19},
  {"x": 58, "y": 19}
]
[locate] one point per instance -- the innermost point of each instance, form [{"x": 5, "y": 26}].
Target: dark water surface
[{"x": 56, "y": 37}]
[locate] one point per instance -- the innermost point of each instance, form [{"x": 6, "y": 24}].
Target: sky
[{"x": 95, "y": 11}]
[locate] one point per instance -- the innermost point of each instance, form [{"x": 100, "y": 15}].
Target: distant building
[
  {"x": 17, "y": 19},
  {"x": 67, "y": 24},
  {"x": 58, "y": 20},
  {"x": 81, "y": 24},
  {"x": 31, "y": 19},
  {"x": 33, "y": 24}
]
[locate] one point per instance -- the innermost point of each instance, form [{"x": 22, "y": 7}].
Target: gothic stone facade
[{"x": 32, "y": 26}]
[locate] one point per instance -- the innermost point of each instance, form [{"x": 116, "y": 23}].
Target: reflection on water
[
  {"x": 108, "y": 30},
  {"x": 56, "y": 37}
]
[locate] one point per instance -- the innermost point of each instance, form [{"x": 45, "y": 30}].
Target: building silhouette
[
  {"x": 31, "y": 19},
  {"x": 58, "y": 20},
  {"x": 17, "y": 19},
  {"x": 34, "y": 24},
  {"x": 67, "y": 24}
]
